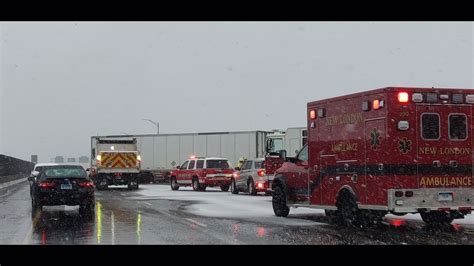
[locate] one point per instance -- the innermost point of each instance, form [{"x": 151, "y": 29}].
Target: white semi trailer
[{"x": 162, "y": 153}]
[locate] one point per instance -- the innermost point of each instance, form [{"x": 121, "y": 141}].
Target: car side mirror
[{"x": 30, "y": 178}]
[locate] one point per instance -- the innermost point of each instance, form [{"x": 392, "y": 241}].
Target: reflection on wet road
[{"x": 128, "y": 217}]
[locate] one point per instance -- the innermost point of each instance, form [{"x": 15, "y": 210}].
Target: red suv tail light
[
  {"x": 46, "y": 184},
  {"x": 261, "y": 172},
  {"x": 86, "y": 184}
]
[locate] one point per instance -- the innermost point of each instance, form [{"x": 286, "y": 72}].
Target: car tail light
[
  {"x": 261, "y": 172},
  {"x": 408, "y": 193},
  {"x": 260, "y": 185},
  {"x": 46, "y": 184},
  {"x": 398, "y": 194},
  {"x": 86, "y": 184},
  {"x": 403, "y": 97}
]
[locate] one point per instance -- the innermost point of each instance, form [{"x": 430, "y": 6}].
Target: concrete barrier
[{"x": 12, "y": 169}]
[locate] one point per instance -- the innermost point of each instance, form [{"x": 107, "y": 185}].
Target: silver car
[{"x": 250, "y": 178}]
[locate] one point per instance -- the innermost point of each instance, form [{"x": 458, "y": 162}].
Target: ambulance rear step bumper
[{"x": 431, "y": 199}]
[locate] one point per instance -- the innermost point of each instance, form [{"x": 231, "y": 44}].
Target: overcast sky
[{"x": 60, "y": 83}]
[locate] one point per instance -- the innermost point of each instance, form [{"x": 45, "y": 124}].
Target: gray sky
[{"x": 60, "y": 83}]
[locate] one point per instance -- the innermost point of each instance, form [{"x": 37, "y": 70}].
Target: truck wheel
[
  {"x": 233, "y": 187},
  {"x": 225, "y": 188},
  {"x": 279, "y": 202},
  {"x": 436, "y": 218},
  {"x": 251, "y": 188},
  {"x": 102, "y": 185},
  {"x": 196, "y": 186},
  {"x": 347, "y": 209},
  {"x": 133, "y": 185},
  {"x": 174, "y": 184}
]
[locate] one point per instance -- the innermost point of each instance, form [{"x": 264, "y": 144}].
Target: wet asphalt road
[{"x": 123, "y": 217}]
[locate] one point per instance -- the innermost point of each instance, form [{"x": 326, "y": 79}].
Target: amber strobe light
[
  {"x": 403, "y": 97},
  {"x": 376, "y": 104},
  {"x": 312, "y": 114}
]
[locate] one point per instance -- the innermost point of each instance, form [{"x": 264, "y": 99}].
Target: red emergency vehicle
[
  {"x": 201, "y": 172},
  {"x": 391, "y": 150}
]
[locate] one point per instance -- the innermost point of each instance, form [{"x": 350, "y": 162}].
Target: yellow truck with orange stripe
[{"x": 117, "y": 162}]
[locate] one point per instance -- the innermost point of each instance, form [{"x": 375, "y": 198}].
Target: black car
[{"x": 63, "y": 185}]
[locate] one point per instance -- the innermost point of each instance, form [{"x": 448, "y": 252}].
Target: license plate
[
  {"x": 66, "y": 186},
  {"x": 445, "y": 196}
]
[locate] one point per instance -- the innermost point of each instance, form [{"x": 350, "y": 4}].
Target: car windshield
[
  {"x": 66, "y": 171},
  {"x": 218, "y": 164}
]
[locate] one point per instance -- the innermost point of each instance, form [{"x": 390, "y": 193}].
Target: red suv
[{"x": 203, "y": 172}]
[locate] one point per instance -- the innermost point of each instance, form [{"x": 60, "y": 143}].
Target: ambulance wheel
[
  {"x": 436, "y": 218},
  {"x": 233, "y": 187},
  {"x": 225, "y": 188},
  {"x": 174, "y": 184},
  {"x": 279, "y": 202},
  {"x": 347, "y": 209},
  {"x": 251, "y": 188}
]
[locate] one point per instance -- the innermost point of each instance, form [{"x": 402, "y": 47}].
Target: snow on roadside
[{"x": 215, "y": 203}]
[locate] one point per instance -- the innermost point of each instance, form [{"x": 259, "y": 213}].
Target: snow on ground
[{"x": 215, "y": 203}]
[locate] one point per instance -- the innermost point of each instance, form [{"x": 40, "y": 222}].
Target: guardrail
[{"x": 12, "y": 168}]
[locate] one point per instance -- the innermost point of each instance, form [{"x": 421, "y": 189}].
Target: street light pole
[{"x": 157, "y": 124}]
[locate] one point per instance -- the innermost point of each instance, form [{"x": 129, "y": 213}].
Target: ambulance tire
[
  {"x": 174, "y": 183},
  {"x": 436, "y": 218},
  {"x": 233, "y": 187},
  {"x": 347, "y": 209},
  {"x": 279, "y": 202}
]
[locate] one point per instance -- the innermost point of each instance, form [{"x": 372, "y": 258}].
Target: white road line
[
  {"x": 196, "y": 222},
  {"x": 147, "y": 203}
]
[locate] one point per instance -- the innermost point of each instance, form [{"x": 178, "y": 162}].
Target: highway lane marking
[
  {"x": 196, "y": 222},
  {"x": 29, "y": 235},
  {"x": 147, "y": 203}
]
